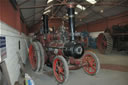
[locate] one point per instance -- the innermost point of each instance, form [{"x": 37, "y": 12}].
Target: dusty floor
[{"x": 106, "y": 76}]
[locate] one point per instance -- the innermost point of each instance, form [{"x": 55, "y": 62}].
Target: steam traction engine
[
  {"x": 60, "y": 51},
  {"x": 115, "y": 38}
]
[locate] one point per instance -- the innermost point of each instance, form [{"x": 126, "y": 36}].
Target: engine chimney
[
  {"x": 73, "y": 49},
  {"x": 71, "y": 15},
  {"x": 45, "y": 24}
]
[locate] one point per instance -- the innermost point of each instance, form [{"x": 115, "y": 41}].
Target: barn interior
[{"x": 63, "y": 42}]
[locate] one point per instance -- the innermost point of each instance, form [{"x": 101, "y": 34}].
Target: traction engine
[
  {"x": 60, "y": 51},
  {"x": 115, "y": 38}
]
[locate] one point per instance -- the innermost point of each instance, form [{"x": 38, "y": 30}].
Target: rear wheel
[
  {"x": 91, "y": 63},
  {"x": 34, "y": 56},
  {"x": 105, "y": 43},
  {"x": 42, "y": 54},
  {"x": 60, "y": 69}
]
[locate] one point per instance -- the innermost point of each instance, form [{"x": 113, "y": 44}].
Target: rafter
[{"x": 62, "y": 4}]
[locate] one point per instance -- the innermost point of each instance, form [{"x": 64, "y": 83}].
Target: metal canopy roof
[{"x": 32, "y": 10}]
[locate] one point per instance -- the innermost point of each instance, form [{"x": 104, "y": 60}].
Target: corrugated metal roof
[{"x": 32, "y": 10}]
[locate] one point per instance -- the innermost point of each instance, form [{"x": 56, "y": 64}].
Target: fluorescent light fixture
[
  {"x": 48, "y": 7},
  {"x": 66, "y": 17},
  {"x": 101, "y": 11},
  {"x": 80, "y": 7},
  {"x": 91, "y": 1},
  {"x": 46, "y": 11},
  {"x": 76, "y": 13},
  {"x": 49, "y": 1},
  {"x": 50, "y": 29}
]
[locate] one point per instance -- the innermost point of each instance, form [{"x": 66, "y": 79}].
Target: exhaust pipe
[{"x": 45, "y": 24}]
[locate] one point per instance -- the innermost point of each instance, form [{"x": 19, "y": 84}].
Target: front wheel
[
  {"x": 91, "y": 63},
  {"x": 60, "y": 69}
]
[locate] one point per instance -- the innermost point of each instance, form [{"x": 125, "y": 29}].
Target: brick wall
[
  {"x": 10, "y": 16},
  {"x": 102, "y": 24}
]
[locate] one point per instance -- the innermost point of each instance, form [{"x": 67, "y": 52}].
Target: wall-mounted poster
[{"x": 3, "y": 53}]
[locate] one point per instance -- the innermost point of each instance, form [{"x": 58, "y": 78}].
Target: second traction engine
[
  {"x": 60, "y": 50},
  {"x": 62, "y": 42}
]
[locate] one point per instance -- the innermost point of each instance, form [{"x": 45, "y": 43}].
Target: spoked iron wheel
[
  {"x": 34, "y": 57},
  {"x": 42, "y": 55},
  {"x": 91, "y": 63},
  {"x": 105, "y": 43},
  {"x": 60, "y": 69}
]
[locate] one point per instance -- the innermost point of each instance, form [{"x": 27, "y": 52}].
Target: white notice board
[{"x": 3, "y": 53}]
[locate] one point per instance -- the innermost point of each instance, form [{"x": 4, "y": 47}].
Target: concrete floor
[{"x": 106, "y": 76}]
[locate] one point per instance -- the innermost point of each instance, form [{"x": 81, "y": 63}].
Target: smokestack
[
  {"x": 45, "y": 24},
  {"x": 71, "y": 15}
]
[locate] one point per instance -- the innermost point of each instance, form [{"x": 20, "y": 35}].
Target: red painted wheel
[
  {"x": 105, "y": 43},
  {"x": 60, "y": 69},
  {"x": 91, "y": 63},
  {"x": 33, "y": 57}
]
